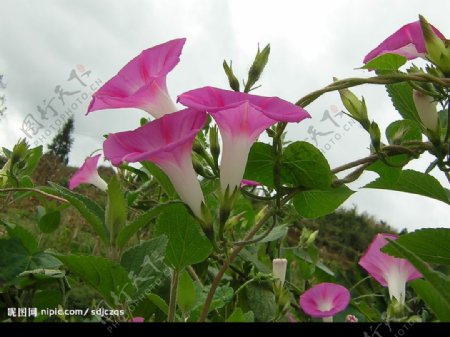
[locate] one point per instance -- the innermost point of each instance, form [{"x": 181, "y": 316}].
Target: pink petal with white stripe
[
  {"x": 389, "y": 271},
  {"x": 142, "y": 82},
  {"x": 325, "y": 300},
  {"x": 88, "y": 174}
]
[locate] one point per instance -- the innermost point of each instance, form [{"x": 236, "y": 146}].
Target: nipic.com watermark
[
  {"x": 68, "y": 96},
  {"x": 24, "y": 312}
]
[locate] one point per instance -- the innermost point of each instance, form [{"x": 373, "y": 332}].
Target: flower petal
[
  {"x": 167, "y": 142},
  {"x": 142, "y": 82},
  {"x": 241, "y": 118},
  {"x": 325, "y": 300},
  {"x": 137, "y": 320},
  {"x": 389, "y": 271},
  {"x": 246, "y": 182},
  {"x": 408, "y": 41},
  {"x": 88, "y": 174},
  {"x": 212, "y": 99}
]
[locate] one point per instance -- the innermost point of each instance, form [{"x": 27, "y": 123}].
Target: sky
[{"x": 49, "y": 47}]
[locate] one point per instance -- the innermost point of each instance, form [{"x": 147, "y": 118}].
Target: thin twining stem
[
  {"x": 29, "y": 189},
  {"x": 391, "y": 150},
  {"x": 382, "y": 79},
  {"x": 267, "y": 213}
]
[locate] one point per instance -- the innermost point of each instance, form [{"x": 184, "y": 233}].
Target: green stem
[
  {"x": 382, "y": 79},
  {"x": 173, "y": 296},
  {"x": 29, "y": 189},
  {"x": 233, "y": 255},
  {"x": 266, "y": 215},
  {"x": 359, "y": 282}
]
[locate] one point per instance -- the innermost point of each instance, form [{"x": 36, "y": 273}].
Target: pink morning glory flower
[
  {"x": 325, "y": 300},
  {"x": 137, "y": 320},
  {"x": 88, "y": 174},
  {"x": 252, "y": 183},
  {"x": 167, "y": 142},
  {"x": 241, "y": 118},
  {"x": 389, "y": 271},
  {"x": 142, "y": 82},
  {"x": 408, "y": 41}
]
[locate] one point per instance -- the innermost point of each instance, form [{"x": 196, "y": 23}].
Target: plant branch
[
  {"x": 233, "y": 255},
  {"x": 29, "y": 189},
  {"x": 382, "y": 79},
  {"x": 370, "y": 159},
  {"x": 352, "y": 176},
  {"x": 266, "y": 215},
  {"x": 173, "y": 296}
]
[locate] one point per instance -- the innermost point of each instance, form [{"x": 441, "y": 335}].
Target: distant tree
[{"x": 61, "y": 144}]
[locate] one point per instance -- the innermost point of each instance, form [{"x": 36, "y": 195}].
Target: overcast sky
[{"x": 47, "y": 46}]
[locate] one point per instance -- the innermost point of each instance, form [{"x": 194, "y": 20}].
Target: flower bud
[
  {"x": 426, "y": 109},
  {"x": 312, "y": 237},
  {"x": 351, "y": 319},
  {"x": 375, "y": 135},
  {"x": 257, "y": 67},
  {"x": 214, "y": 143},
  {"x": 279, "y": 271},
  {"x": 357, "y": 108},
  {"x": 437, "y": 52},
  {"x": 197, "y": 147},
  {"x": 232, "y": 80}
]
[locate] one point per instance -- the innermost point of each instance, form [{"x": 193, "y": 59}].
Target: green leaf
[
  {"x": 107, "y": 277},
  {"x": 238, "y": 316},
  {"x": 159, "y": 302},
  {"x": 432, "y": 298},
  {"x": 145, "y": 264},
  {"x": 49, "y": 222},
  {"x": 43, "y": 260},
  {"x": 47, "y": 299},
  {"x": 186, "y": 295},
  {"x": 32, "y": 160},
  {"x": 223, "y": 296},
  {"x": 277, "y": 233},
  {"x": 370, "y": 312},
  {"x": 27, "y": 239},
  {"x": 260, "y": 164},
  {"x": 261, "y": 301},
  {"x": 401, "y": 96},
  {"x": 415, "y": 182},
  {"x": 245, "y": 206},
  {"x": 14, "y": 259},
  {"x": 402, "y": 131},
  {"x": 252, "y": 257},
  {"x": 187, "y": 243},
  {"x": 161, "y": 177},
  {"x": 429, "y": 244},
  {"x": 90, "y": 210},
  {"x": 17, "y": 258},
  {"x": 304, "y": 165},
  {"x": 438, "y": 281},
  {"x": 316, "y": 203},
  {"x": 116, "y": 209},
  {"x": 306, "y": 257},
  {"x": 142, "y": 220},
  {"x": 386, "y": 62},
  {"x": 387, "y": 172}
]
